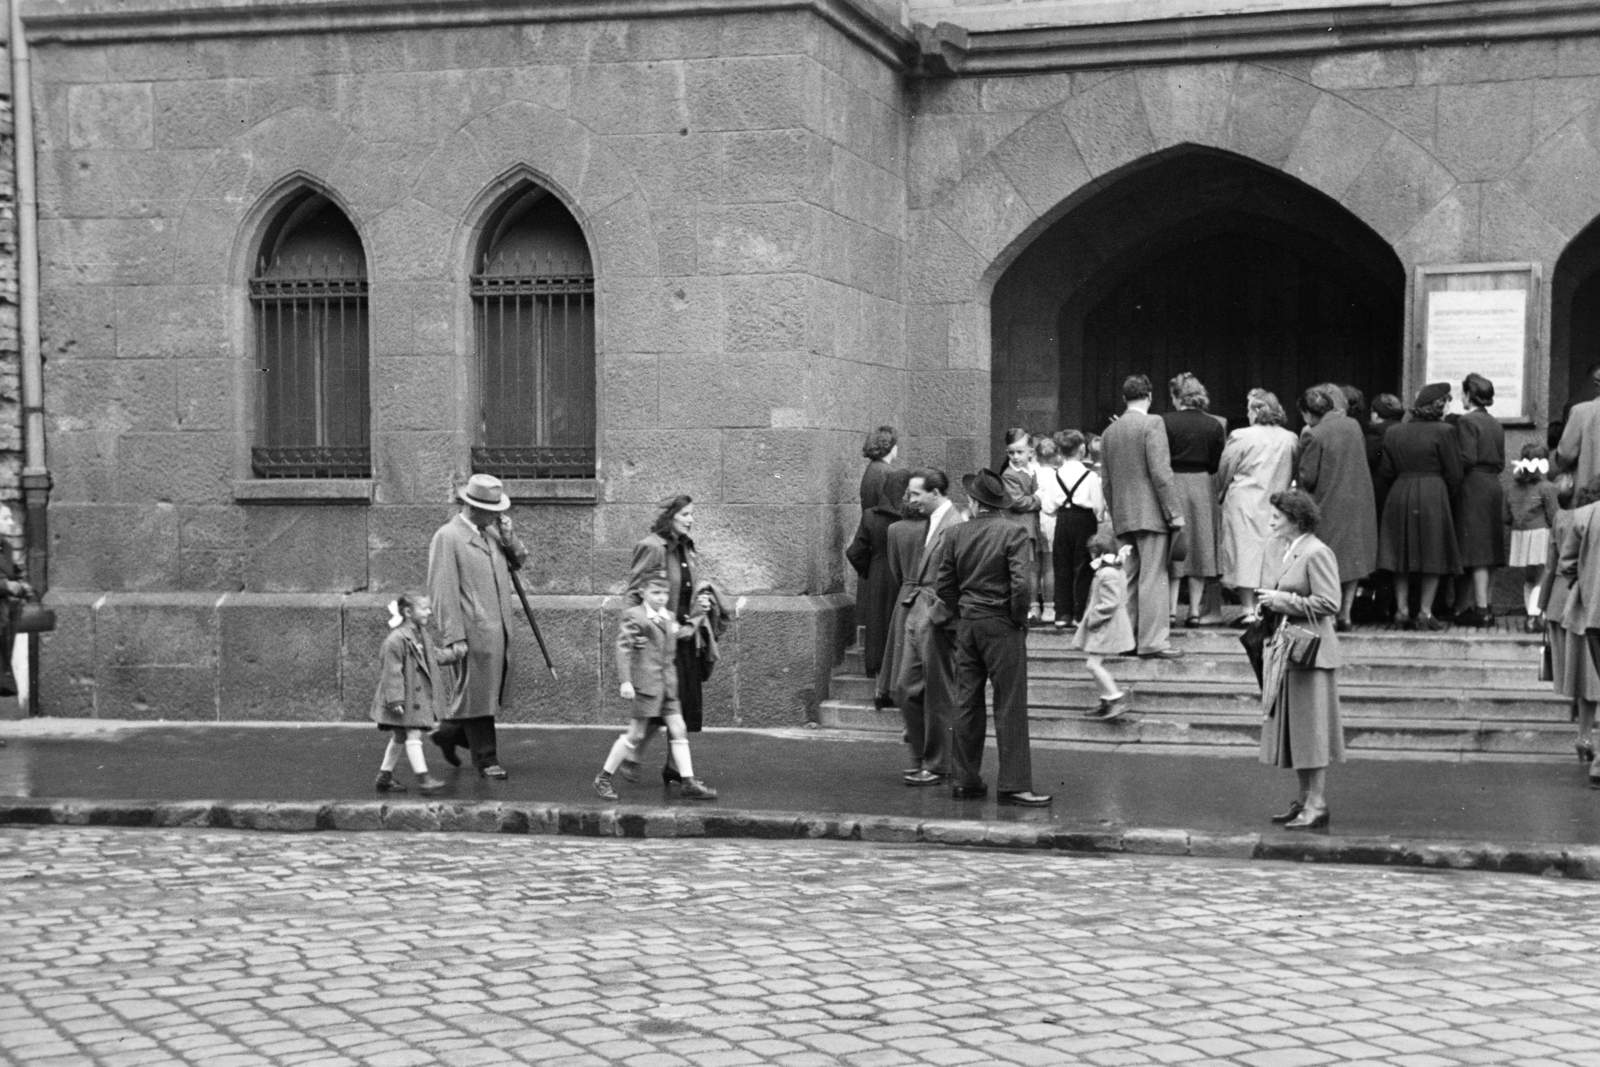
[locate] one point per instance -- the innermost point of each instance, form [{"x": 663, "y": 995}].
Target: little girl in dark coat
[{"x": 408, "y": 702}]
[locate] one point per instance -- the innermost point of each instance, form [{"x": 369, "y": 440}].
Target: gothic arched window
[
  {"x": 308, "y": 295},
  {"x": 533, "y": 318}
]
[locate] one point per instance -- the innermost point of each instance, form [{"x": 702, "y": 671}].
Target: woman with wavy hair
[
  {"x": 1419, "y": 471},
  {"x": 1257, "y": 461},
  {"x": 1303, "y": 731},
  {"x": 1480, "y": 529}
]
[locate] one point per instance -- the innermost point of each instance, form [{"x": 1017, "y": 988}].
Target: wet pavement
[
  {"x": 813, "y": 772},
  {"x": 224, "y": 949}
]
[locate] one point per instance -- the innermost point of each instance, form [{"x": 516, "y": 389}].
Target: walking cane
[{"x": 516, "y": 583}]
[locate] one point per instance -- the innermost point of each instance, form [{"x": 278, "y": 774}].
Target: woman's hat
[
  {"x": 1432, "y": 394},
  {"x": 987, "y": 488},
  {"x": 486, "y": 492}
]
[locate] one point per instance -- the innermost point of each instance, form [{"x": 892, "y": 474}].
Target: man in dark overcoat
[
  {"x": 469, "y": 581},
  {"x": 1140, "y": 494},
  {"x": 985, "y": 582}
]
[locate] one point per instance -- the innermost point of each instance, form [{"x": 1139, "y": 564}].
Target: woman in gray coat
[
  {"x": 1333, "y": 469},
  {"x": 1303, "y": 730}
]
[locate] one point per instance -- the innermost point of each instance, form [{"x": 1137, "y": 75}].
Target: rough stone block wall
[
  {"x": 10, "y": 343},
  {"x": 740, "y": 180}
]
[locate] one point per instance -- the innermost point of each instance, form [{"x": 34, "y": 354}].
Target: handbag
[
  {"x": 1303, "y": 644},
  {"x": 1547, "y": 660},
  {"x": 31, "y": 617}
]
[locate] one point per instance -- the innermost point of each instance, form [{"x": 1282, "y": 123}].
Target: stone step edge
[
  {"x": 891, "y": 720},
  {"x": 1580, "y": 862}
]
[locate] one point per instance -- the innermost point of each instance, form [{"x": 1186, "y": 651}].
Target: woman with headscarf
[
  {"x": 868, "y": 553},
  {"x": 1333, "y": 469},
  {"x": 1480, "y": 529},
  {"x": 700, "y": 612},
  {"x": 1195, "y": 440},
  {"x": 1257, "y": 461},
  {"x": 1419, "y": 471}
]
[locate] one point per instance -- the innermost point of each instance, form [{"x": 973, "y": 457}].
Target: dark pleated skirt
[
  {"x": 1418, "y": 531},
  {"x": 1480, "y": 527},
  {"x": 1197, "y": 500}
]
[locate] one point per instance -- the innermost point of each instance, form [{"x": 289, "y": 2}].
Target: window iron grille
[
  {"x": 534, "y": 327},
  {"x": 311, "y": 355}
]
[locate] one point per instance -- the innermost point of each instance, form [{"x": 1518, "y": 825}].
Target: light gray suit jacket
[{"x": 1137, "y": 478}]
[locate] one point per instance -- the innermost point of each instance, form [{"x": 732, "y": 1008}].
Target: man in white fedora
[{"x": 469, "y": 582}]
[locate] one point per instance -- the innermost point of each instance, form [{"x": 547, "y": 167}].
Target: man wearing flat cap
[
  {"x": 469, "y": 581},
  {"x": 985, "y": 584}
]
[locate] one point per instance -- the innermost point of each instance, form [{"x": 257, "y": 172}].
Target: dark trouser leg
[
  {"x": 1005, "y": 653},
  {"x": 451, "y": 734},
  {"x": 969, "y": 719},
  {"x": 939, "y": 696},
  {"x": 910, "y": 688},
  {"x": 481, "y": 740},
  {"x": 1071, "y": 559}
]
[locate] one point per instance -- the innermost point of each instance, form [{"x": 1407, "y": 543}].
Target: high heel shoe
[
  {"x": 1309, "y": 819},
  {"x": 670, "y": 775},
  {"x": 1295, "y": 808},
  {"x": 1585, "y": 751}
]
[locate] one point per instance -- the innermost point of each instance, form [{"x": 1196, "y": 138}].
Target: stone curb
[{"x": 421, "y": 816}]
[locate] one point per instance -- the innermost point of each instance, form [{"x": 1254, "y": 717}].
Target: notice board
[{"x": 1483, "y": 318}]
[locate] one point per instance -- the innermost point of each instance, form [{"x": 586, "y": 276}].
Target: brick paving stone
[{"x": 370, "y": 949}]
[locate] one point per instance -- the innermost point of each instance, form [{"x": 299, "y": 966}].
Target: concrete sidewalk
[{"x": 1512, "y": 815}]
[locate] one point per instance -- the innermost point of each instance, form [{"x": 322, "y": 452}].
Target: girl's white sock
[
  {"x": 419, "y": 765},
  {"x": 1530, "y": 597},
  {"x": 621, "y": 749},
  {"x": 391, "y": 755},
  {"x": 680, "y": 758}
]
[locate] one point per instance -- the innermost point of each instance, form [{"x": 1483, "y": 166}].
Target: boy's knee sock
[
  {"x": 680, "y": 758},
  {"x": 391, "y": 755},
  {"x": 621, "y": 749},
  {"x": 1530, "y": 597},
  {"x": 419, "y": 765}
]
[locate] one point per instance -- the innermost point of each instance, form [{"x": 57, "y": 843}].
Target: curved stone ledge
[{"x": 421, "y": 816}]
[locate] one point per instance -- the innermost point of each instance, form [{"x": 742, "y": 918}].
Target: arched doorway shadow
[
  {"x": 1575, "y": 322},
  {"x": 1201, "y": 261}
]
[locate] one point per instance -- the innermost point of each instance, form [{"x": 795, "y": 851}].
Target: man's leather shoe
[
  {"x": 1026, "y": 799},
  {"x": 495, "y": 771},
  {"x": 1163, "y": 653},
  {"x": 969, "y": 792},
  {"x": 922, "y": 778},
  {"x": 449, "y": 750}
]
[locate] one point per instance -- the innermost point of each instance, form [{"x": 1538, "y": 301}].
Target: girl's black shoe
[
  {"x": 387, "y": 784},
  {"x": 670, "y": 775}
]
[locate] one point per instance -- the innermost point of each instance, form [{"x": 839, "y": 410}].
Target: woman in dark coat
[
  {"x": 1480, "y": 527},
  {"x": 1387, "y": 411},
  {"x": 1195, "y": 440},
  {"x": 869, "y": 555},
  {"x": 668, "y": 549},
  {"x": 881, "y": 447},
  {"x": 1419, "y": 471},
  {"x": 1333, "y": 469}
]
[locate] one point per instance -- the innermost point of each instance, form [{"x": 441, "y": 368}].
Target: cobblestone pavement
[{"x": 125, "y": 947}]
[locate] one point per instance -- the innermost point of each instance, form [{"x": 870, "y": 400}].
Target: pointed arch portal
[{"x": 1196, "y": 260}]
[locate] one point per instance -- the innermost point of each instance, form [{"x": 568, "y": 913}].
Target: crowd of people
[
  {"x": 1102, "y": 535},
  {"x": 1398, "y": 514}
]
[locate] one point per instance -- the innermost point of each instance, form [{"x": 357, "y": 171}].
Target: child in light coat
[
  {"x": 647, "y": 641},
  {"x": 1106, "y": 629},
  {"x": 411, "y": 692}
]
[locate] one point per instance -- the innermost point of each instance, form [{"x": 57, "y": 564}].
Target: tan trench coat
[{"x": 473, "y": 601}]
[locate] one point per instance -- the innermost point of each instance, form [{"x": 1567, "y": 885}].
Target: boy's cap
[{"x": 656, "y": 578}]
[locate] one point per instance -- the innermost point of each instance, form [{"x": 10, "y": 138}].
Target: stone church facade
[{"x": 779, "y": 225}]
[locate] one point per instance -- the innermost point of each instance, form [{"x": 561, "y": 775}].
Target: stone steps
[{"x": 1448, "y": 694}]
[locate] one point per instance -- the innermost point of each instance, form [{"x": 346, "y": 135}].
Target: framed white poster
[{"x": 1480, "y": 318}]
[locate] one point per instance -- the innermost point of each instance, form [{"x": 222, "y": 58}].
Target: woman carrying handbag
[{"x": 1300, "y": 693}]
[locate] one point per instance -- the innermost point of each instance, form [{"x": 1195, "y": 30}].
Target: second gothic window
[{"x": 533, "y": 318}]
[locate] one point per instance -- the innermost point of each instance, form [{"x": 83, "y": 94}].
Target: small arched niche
[
  {"x": 533, "y": 326},
  {"x": 308, "y": 296}
]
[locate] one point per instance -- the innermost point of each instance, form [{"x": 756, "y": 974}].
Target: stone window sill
[
  {"x": 553, "y": 490},
  {"x": 303, "y": 491}
]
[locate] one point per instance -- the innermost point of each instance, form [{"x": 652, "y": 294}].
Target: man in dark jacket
[{"x": 985, "y": 584}]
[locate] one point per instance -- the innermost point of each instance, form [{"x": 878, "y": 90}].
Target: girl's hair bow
[
  {"x": 395, "y": 618},
  {"x": 1522, "y": 466}
]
